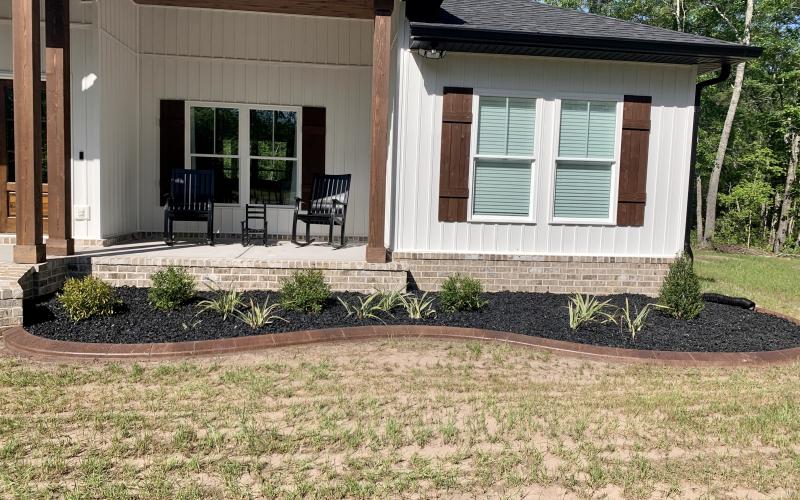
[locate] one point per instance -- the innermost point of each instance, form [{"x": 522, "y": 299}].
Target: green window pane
[
  {"x": 261, "y": 131},
  {"x": 226, "y": 177},
  {"x": 273, "y": 181},
  {"x": 587, "y": 129},
  {"x": 502, "y": 188},
  {"x": 582, "y": 191},
  {"x": 521, "y": 126},
  {"x": 602, "y": 128},
  {"x": 492, "y": 122},
  {"x": 202, "y": 131},
  {"x": 573, "y": 138},
  {"x": 226, "y": 132},
  {"x": 285, "y": 134}
]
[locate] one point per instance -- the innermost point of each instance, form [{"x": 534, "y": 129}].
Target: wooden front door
[{"x": 8, "y": 189}]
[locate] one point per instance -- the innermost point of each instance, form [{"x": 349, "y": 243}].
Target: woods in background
[{"x": 749, "y": 141}]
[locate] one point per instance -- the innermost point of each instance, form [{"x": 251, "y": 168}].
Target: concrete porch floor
[{"x": 280, "y": 251}]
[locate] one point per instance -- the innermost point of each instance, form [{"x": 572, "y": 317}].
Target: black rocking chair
[
  {"x": 254, "y": 213},
  {"x": 191, "y": 198},
  {"x": 327, "y": 207}
]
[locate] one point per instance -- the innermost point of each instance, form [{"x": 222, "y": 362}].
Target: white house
[{"x": 534, "y": 147}]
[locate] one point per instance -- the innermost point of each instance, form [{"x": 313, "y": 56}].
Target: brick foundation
[
  {"x": 555, "y": 274},
  {"x": 242, "y": 275}
]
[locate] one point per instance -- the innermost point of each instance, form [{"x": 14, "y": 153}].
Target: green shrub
[
  {"x": 680, "y": 295},
  {"x": 461, "y": 293},
  {"x": 171, "y": 288},
  {"x": 305, "y": 291},
  {"x": 585, "y": 310},
  {"x": 88, "y": 297}
]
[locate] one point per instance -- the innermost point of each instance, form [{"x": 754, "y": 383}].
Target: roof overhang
[
  {"x": 355, "y": 9},
  {"x": 455, "y": 38}
]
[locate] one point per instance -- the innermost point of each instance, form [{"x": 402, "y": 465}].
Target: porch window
[
  {"x": 586, "y": 161},
  {"x": 503, "y": 162},
  {"x": 252, "y": 149},
  {"x": 214, "y": 140},
  {"x": 273, "y": 156}
]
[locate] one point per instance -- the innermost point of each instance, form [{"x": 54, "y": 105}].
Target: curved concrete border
[{"x": 20, "y": 342}]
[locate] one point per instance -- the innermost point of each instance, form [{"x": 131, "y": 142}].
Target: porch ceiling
[{"x": 357, "y": 9}]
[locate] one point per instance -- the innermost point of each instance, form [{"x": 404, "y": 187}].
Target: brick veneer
[
  {"x": 542, "y": 273},
  {"x": 243, "y": 274}
]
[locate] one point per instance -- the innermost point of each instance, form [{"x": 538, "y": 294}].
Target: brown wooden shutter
[
  {"x": 633, "y": 160},
  {"x": 313, "y": 148},
  {"x": 172, "y": 130},
  {"x": 454, "y": 165}
]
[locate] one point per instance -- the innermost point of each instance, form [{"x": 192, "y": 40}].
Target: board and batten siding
[
  {"x": 119, "y": 120},
  {"x": 416, "y": 176},
  {"x": 85, "y": 105},
  {"x": 257, "y": 58}
]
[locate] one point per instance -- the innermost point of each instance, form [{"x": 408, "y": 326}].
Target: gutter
[
  {"x": 724, "y": 74},
  {"x": 424, "y": 35}
]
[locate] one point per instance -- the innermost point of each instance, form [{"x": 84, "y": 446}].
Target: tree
[
  {"x": 713, "y": 183},
  {"x": 793, "y": 139}
]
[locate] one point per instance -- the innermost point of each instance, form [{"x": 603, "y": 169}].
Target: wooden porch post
[
  {"x": 57, "y": 53},
  {"x": 381, "y": 61},
  {"x": 29, "y": 248}
]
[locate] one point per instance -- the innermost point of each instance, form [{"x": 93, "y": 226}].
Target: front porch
[{"x": 279, "y": 113}]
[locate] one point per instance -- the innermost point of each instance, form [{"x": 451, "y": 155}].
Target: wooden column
[
  {"x": 59, "y": 157},
  {"x": 27, "y": 130},
  {"x": 381, "y": 71}
]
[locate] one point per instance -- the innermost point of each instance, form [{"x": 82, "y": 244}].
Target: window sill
[
  {"x": 582, "y": 222},
  {"x": 486, "y": 219}
]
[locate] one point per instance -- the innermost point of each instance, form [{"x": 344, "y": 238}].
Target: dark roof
[{"x": 532, "y": 28}]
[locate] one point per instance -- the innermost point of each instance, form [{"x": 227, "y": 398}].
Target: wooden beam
[
  {"x": 29, "y": 248},
  {"x": 357, "y": 9},
  {"x": 59, "y": 173},
  {"x": 381, "y": 71}
]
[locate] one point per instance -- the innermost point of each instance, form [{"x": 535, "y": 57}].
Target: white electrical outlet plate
[{"x": 82, "y": 212}]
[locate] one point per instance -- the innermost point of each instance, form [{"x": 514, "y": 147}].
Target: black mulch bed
[{"x": 720, "y": 328}]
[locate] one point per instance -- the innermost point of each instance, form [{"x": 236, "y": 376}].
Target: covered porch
[{"x": 206, "y": 56}]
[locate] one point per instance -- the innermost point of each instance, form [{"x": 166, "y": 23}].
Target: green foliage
[
  {"x": 461, "y": 293},
  {"x": 390, "y": 300},
  {"x": 681, "y": 294},
  {"x": 366, "y": 307},
  {"x": 305, "y": 291},
  {"x": 744, "y": 206},
  {"x": 634, "y": 320},
  {"x": 88, "y": 297},
  {"x": 418, "y": 307},
  {"x": 258, "y": 316},
  {"x": 225, "y": 303},
  {"x": 171, "y": 288},
  {"x": 587, "y": 309}
]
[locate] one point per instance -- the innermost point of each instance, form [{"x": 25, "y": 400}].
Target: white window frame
[
  {"x": 474, "y": 156},
  {"x": 244, "y": 155},
  {"x": 611, "y": 220}
]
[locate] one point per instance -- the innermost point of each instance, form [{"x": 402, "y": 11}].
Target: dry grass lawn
[{"x": 411, "y": 418}]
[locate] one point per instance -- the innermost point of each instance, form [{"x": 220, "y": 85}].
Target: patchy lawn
[
  {"x": 771, "y": 282},
  {"x": 396, "y": 418}
]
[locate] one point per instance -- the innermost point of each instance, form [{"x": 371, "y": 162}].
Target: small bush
[
  {"x": 366, "y": 307},
  {"x": 258, "y": 316},
  {"x": 305, "y": 291},
  {"x": 171, "y": 288},
  {"x": 585, "y": 310},
  {"x": 461, "y": 293},
  {"x": 680, "y": 295},
  {"x": 88, "y": 297},
  {"x": 226, "y": 303}
]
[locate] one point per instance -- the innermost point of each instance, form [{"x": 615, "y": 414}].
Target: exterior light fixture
[{"x": 431, "y": 53}]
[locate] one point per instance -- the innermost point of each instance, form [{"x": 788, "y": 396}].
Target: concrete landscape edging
[{"x": 19, "y": 342}]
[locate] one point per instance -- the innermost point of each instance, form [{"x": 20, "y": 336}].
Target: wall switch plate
[{"x": 82, "y": 212}]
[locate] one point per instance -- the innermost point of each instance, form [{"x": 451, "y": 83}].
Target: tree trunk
[
  {"x": 699, "y": 210},
  {"x": 793, "y": 138},
  {"x": 774, "y": 217},
  {"x": 713, "y": 182}
]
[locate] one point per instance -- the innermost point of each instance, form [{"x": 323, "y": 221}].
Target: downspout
[{"x": 724, "y": 74}]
